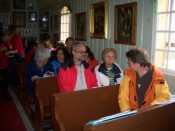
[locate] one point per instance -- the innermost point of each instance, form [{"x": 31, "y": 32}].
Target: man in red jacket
[
  {"x": 16, "y": 41},
  {"x": 76, "y": 74},
  {"x": 15, "y": 55}
]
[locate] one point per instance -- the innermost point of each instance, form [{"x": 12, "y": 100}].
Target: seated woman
[
  {"x": 109, "y": 72},
  {"x": 37, "y": 69},
  {"x": 60, "y": 55},
  {"x": 89, "y": 58}
]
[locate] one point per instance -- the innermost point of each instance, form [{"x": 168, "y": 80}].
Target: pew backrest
[
  {"x": 154, "y": 118},
  {"x": 70, "y": 111},
  {"x": 44, "y": 88}
]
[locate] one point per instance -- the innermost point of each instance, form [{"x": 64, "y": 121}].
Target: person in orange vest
[{"x": 143, "y": 84}]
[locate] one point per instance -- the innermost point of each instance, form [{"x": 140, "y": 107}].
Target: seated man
[
  {"x": 76, "y": 74},
  {"x": 143, "y": 84}
]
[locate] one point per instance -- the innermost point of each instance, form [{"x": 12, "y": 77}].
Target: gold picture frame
[
  {"x": 125, "y": 24},
  {"x": 7, "y": 20},
  {"x": 19, "y": 4},
  {"x": 99, "y": 20},
  {"x": 80, "y": 26},
  {"x": 32, "y": 16}
]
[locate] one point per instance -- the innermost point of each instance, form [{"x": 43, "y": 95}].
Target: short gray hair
[
  {"x": 107, "y": 50},
  {"x": 42, "y": 54}
]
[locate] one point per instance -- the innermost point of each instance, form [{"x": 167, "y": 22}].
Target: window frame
[
  {"x": 69, "y": 23},
  {"x": 155, "y": 31}
]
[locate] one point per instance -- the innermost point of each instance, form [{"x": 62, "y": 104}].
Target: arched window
[{"x": 65, "y": 23}]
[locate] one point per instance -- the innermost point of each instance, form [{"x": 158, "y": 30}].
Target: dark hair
[
  {"x": 65, "y": 53},
  {"x": 90, "y": 53},
  {"x": 69, "y": 38},
  {"x": 138, "y": 56}
]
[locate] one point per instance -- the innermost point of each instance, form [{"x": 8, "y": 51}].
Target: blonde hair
[{"x": 107, "y": 50}]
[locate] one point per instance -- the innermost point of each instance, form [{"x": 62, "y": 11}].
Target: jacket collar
[{"x": 102, "y": 68}]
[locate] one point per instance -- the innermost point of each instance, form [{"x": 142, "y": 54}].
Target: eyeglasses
[{"x": 81, "y": 52}]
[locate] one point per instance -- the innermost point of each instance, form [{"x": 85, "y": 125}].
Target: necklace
[{"x": 139, "y": 85}]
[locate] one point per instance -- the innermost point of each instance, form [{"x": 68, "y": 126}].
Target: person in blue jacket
[
  {"x": 37, "y": 69},
  {"x": 60, "y": 55}
]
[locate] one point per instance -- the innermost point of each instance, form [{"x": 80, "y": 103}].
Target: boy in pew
[
  {"x": 76, "y": 74},
  {"x": 143, "y": 84},
  {"x": 37, "y": 69}
]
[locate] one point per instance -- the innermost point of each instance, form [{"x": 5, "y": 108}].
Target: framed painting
[
  {"x": 19, "y": 18},
  {"x": 125, "y": 24},
  {"x": 80, "y": 26},
  {"x": 19, "y": 4},
  {"x": 99, "y": 20},
  {"x": 32, "y": 16},
  {"x": 30, "y": 5},
  {"x": 6, "y": 20},
  {"x": 45, "y": 22},
  {"x": 5, "y": 6}
]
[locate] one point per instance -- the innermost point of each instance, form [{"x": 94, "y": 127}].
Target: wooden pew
[
  {"x": 44, "y": 88},
  {"x": 70, "y": 111},
  {"x": 155, "y": 118}
]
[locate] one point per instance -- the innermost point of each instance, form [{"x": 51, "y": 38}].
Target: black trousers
[
  {"x": 4, "y": 83},
  {"x": 13, "y": 78}
]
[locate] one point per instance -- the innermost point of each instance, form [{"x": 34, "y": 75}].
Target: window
[
  {"x": 65, "y": 23},
  {"x": 164, "y": 47}
]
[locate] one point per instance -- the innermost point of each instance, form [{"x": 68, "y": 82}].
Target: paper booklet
[{"x": 111, "y": 117}]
